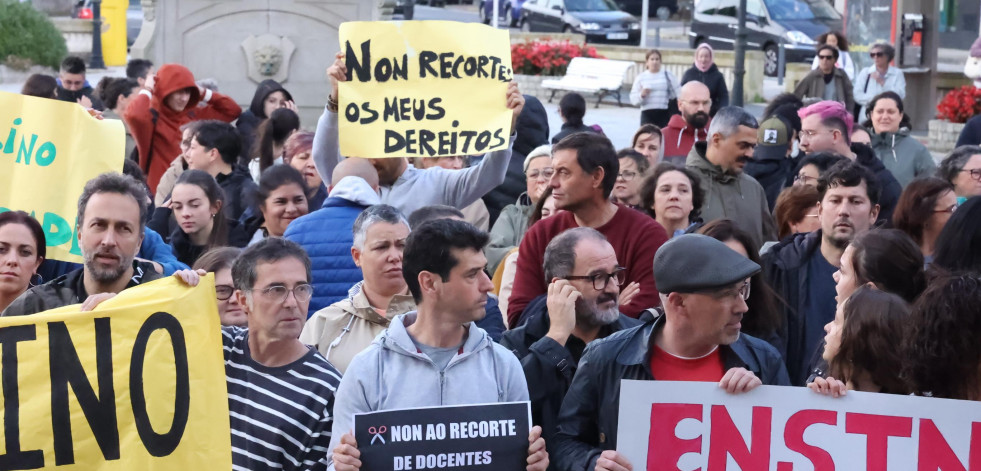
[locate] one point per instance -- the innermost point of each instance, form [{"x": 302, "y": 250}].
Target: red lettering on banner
[
  {"x": 664, "y": 447},
  {"x": 934, "y": 452},
  {"x": 793, "y": 437},
  {"x": 878, "y": 429},
  {"x": 725, "y": 439}
]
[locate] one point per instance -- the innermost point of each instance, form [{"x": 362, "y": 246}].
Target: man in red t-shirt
[
  {"x": 704, "y": 286},
  {"x": 585, "y": 170}
]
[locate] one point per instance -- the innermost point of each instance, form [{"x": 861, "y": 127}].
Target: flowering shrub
[
  {"x": 960, "y": 105},
  {"x": 547, "y": 57}
]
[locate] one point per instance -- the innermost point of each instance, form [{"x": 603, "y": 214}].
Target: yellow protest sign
[
  {"x": 139, "y": 383},
  {"x": 423, "y": 89},
  {"x": 51, "y": 148}
]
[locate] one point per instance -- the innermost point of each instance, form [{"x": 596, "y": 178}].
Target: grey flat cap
[{"x": 695, "y": 262}]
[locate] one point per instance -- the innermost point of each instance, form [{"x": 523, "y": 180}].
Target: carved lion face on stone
[{"x": 268, "y": 59}]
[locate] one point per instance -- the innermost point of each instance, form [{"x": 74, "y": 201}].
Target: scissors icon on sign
[{"x": 377, "y": 432}]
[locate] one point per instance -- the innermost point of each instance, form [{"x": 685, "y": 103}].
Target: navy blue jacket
[
  {"x": 326, "y": 236},
  {"x": 590, "y": 413}
]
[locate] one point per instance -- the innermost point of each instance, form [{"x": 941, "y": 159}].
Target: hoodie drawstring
[
  {"x": 682, "y": 133},
  {"x": 337, "y": 341},
  {"x": 894, "y": 157}
]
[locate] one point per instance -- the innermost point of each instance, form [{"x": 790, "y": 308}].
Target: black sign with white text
[{"x": 473, "y": 437}]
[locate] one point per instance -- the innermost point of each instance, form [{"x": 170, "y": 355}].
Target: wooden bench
[{"x": 587, "y": 75}]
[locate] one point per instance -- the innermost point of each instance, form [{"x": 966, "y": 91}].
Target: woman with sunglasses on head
[
  {"x": 879, "y": 77},
  {"x": 219, "y": 261}
]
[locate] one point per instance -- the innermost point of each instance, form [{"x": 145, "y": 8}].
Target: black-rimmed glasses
[{"x": 601, "y": 280}]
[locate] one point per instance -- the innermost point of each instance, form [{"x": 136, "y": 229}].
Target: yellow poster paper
[
  {"x": 48, "y": 150},
  {"x": 137, "y": 384},
  {"x": 423, "y": 89}
]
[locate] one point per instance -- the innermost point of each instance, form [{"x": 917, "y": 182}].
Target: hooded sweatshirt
[
  {"x": 156, "y": 127},
  {"x": 326, "y": 236},
  {"x": 393, "y": 374},
  {"x": 903, "y": 155},
  {"x": 714, "y": 80},
  {"x": 732, "y": 196},
  {"x": 250, "y": 119},
  {"x": 679, "y": 136}
]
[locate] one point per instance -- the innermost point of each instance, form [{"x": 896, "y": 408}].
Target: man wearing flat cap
[{"x": 703, "y": 288}]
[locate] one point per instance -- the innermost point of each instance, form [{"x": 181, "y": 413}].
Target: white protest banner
[
  {"x": 484, "y": 437},
  {"x": 668, "y": 425}
]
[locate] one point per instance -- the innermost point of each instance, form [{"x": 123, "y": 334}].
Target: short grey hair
[
  {"x": 952, "y": 165},
  {"x": 375, "y": 214},
  {"x": 886, "y": 48},
  {"x": 727, "y": 121},
  {"x": 268, "y": 250},
  {"x": 112, "y": 182},
  {"x": 560, "y": 254}
]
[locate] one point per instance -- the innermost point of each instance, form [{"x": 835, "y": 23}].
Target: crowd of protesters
[{"x": 803, "y": 249}]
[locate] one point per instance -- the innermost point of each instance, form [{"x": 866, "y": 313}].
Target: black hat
[{"x": 695, "y": 262}]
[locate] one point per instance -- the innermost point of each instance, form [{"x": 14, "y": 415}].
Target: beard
[
  {"x": 103, "y": 274},
  {"x": 590, "y": 314},
  {"x": 698, "y": 120}
]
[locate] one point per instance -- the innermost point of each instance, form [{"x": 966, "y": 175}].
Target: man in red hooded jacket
[
  {"x": 168, "y": 101},
  {"x": 691, "y": 126}
]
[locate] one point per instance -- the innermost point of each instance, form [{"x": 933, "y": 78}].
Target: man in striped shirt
[{"x": 280, "y": 392}]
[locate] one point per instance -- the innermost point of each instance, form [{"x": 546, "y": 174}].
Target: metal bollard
[{"x": 781, "y": 63}]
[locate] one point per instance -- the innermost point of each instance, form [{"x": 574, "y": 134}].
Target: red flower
[
  {"x": 960, "y": 105},
  {"x": 547, "y": 57}
]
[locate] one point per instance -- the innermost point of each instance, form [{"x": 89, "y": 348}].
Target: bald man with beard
[
  {"x": 689, "y": 127},
  {"x": 326, "y": 234}
]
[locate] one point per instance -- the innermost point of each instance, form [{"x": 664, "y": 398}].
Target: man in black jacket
[
  {"x": 73, "y": 87},
  {"x": 826, "y": 126},
  {"x": 704, "y": 286},
  {"x": 801, "y": 269},
  {"x": 582, "y": 305}
]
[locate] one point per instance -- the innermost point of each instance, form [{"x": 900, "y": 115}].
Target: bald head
[
  {"x": 355, "y": 167},
  {"x": 694, "y": 102}
]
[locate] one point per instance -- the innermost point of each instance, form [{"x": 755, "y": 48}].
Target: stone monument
[{"x": 239, "y": 43}]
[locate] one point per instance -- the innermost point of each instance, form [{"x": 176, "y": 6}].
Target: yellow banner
[
  {"x": 48, "y": 150},
  {"x": 423, "y": 89},
  {"x": 137, "y": 384}
]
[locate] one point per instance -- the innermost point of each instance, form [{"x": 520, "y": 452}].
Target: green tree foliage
[{"x": 27, "y": 34}]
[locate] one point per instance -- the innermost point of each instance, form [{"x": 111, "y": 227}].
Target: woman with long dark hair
[
  {"x": 281, "y": 198},
  {"x": 22, "y": 249},
  {"x": 270, "y": 140},
  {"x": 40, "y": 85},
  {"x": 923, "y": 210},
  {"x": 958, "y": 248},
  {"x": 197, "y": 201}
]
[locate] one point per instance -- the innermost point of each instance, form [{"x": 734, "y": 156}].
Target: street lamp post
[
  {"x": 97, "y": 62},
  {"x": 740, "y": 53}
]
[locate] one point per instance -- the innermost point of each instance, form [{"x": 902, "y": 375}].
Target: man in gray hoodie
[
  {"x": 405, "y": 186},
  {"x": 434, "y": 356}
]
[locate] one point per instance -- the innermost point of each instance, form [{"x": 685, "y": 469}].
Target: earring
[
  {"x": 212, "y": 215},
  {"x": 31, "y": 282}
]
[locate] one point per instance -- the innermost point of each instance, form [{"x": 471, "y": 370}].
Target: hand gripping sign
[
  {"x": 487, "y": 437},
  {"x": 423, "y": 89},
  {"x": 665, "y": 425},
  {"x": 49, "y": 149},
  {"x": 137, "y": 384}
]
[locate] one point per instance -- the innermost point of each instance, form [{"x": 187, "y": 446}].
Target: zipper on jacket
[{"x": 442, "y": 382}]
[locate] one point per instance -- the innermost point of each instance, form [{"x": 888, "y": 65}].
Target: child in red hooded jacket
[{"x": 170, "y": 100}]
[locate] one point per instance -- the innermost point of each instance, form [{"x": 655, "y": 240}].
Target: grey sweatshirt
[
  {"x": 392, "y": 374},
  {"x": 417, "y": 188}
]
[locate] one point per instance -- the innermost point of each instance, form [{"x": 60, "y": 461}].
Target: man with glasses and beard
[
  {"x": 719, "y": 162},
  {"x": 111, "y": 215},
  {"x": 695, "y": 337},
  {"x": 689, "y": 127},
  {"x": 581, "y": 306}
]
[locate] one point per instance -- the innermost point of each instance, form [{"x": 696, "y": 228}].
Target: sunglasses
[{"x": 877, "y": 54}]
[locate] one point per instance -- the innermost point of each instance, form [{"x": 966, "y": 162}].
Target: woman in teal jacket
[{"x": 901, "y": 154}]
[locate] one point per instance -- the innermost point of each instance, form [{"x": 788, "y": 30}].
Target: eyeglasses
[
  {"x": 811, "y": 133},
  {"x": 545, "y": 173},
  {"x": 827, "y": 58},
  {"x": 224, "y": 291},
  {"x": 950, "y": 209},
  {"x": 627, "y": 175},
  {"x": 803, "y": 178},
  {"x": 601, "y": 280},
  {"x": 278, "y": 293},
  {"x": 975, "y": 173},
  {"x": 740, "y": 292},
  {"x": 876, "y": 54}
]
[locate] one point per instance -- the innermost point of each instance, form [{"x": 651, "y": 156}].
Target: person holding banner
[
  {"x": 582, "y": 305},
  {"x": 407, "y": 187},
  {"x": 280, "y": 391},
  {"x": 22, "y": 249},
  {"x": 170, "y": 99},
  {"x": 111, "y": 214},
  {"x": 695, "y": 338},
  {"x": 435, "y": 356}
]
